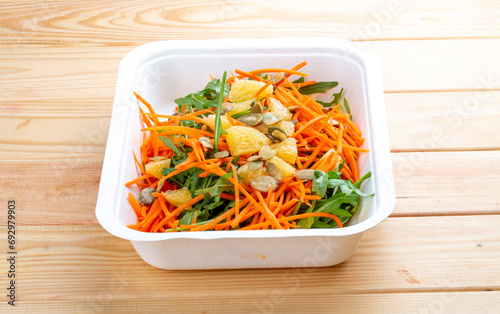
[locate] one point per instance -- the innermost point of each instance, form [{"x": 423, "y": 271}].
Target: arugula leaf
[
  {"x": 220, "y": 186},
  {"x": 205, "y": 98},
  {"x": 167, "y": 171},
  {"x": 319, "y": 87},
  {"x": 363, "y": 178},
  {"x": 306, "y": 223},
  {"x": 179, "y": 151},
  {"x": 218, "y": 124},
  {"x": 346, "y": 108},
  {"x": 192, "y": 100},
  {"x": 188, "y": 217},
  {"x": 323, "y": 181},
  {"x": 214, "y": 87},
  {"x": 335, "y": 100},
  {"x": 299, "y": 80},
  {"x": 169, "y": 142},
  {"x": 320, "y": 183},
  {"x": 334, "y": 203},
  {"x": 320, "y": 224},
  {"x": 342, "y": 198}
]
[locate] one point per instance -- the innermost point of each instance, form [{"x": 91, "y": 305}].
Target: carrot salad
[{"x": 254, "y": 151}]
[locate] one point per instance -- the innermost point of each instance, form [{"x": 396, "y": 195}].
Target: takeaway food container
[{"x": 165, "y": 70}]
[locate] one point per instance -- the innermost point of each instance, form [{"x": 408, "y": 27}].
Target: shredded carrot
[
  {"x": 262, "y": 89},
  {"x": 324, "y": 137},
  {"x": 135, "y": 205}
]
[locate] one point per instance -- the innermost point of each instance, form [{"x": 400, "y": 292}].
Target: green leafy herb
[
  {"x": 338, "y": 197},
  {"x": 306, "y": 223},
  {"x": 362, "y": 179},
  {"x": 188, "y": 217},
  {"x": 346, "y": 108},
  {"x": 334, "y": 204},
  {"x": 319, "y": 87},
  {"x": 320, "y": 183},
  {"x": 220, "y": 186},
  {"x": 218, "y": 124},
  {"x": 299, "y": 80},
  {"x": 206, "y": 98},
  {"x": 335, "y": 100},
  {"x": 179, "y": 151},
  {"x": 168, "y": 141}
]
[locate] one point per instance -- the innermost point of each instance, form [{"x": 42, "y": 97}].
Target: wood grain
[
  {"x": 438, "y": 252},
  {"x": 443, "y": 120},
  {"x": 446, "y": 301},
  {"x": 87, "y": 73},
  {"x": 133, "y": 22},
  {"x": 53, "y": 191},
  {"x": 69, "y": 263}
]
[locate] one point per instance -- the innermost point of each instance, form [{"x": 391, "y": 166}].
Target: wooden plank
[
  {"x": 64, "y": 136},
  {"x": 446, "y": 183},
  {"x": 64, "y": 191},
  {"x": 443, "y": 120},
  {"x": 401, "y": 255},
  {"x": 437, "y": 65},
  {"x": 53, "y": 191},
  {"x": 441, "y": 302},
  {"x": 133, "y": 22},
  {"x": 76, "y": 74},
  {"x": 70, "y": 73}
]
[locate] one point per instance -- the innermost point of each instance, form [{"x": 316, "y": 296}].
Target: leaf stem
[{"x": 218, "y": 124}]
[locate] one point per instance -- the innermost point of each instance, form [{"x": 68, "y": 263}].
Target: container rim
[{"x": 136, "y": 57}]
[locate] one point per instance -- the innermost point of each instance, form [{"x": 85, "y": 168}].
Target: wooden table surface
[{"x": 439, "y": 252}]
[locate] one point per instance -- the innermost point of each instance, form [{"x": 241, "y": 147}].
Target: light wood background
[{"x": 439, "y": 252}]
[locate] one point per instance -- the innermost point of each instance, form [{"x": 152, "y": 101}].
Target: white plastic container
[{"x": 163, "y": 71}]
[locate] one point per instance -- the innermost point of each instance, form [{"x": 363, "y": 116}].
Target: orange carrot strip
[
  {"x": 304, "y": 84},
  {"x": 135, "y": 205},
  {"x": 267, "y": 213},
  {"x": 312, "y": 197},
  {"x": 150, "y": 108},
  {"x": 341, "y": 135},
  {"x": 316, "y": 214},
  {"x": 300, "y": 65},
  {"x": 153, "y": 213},
  {"x": 227, "y": 196},
  {"x": 242, "y": 213},
  {"x": 243, "y": 74},
  {"x": 313, "y": 155},
  {"x": 284, "y": 219},
  {"x": 287, "y": 205},
  {"x": 308, "y": 124},
  {"x": 138, "y": 179},
  {"x": 140, "y": 166},
  {"x": 262, "y": 89},
  {"x": 277, "y": 70}
]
